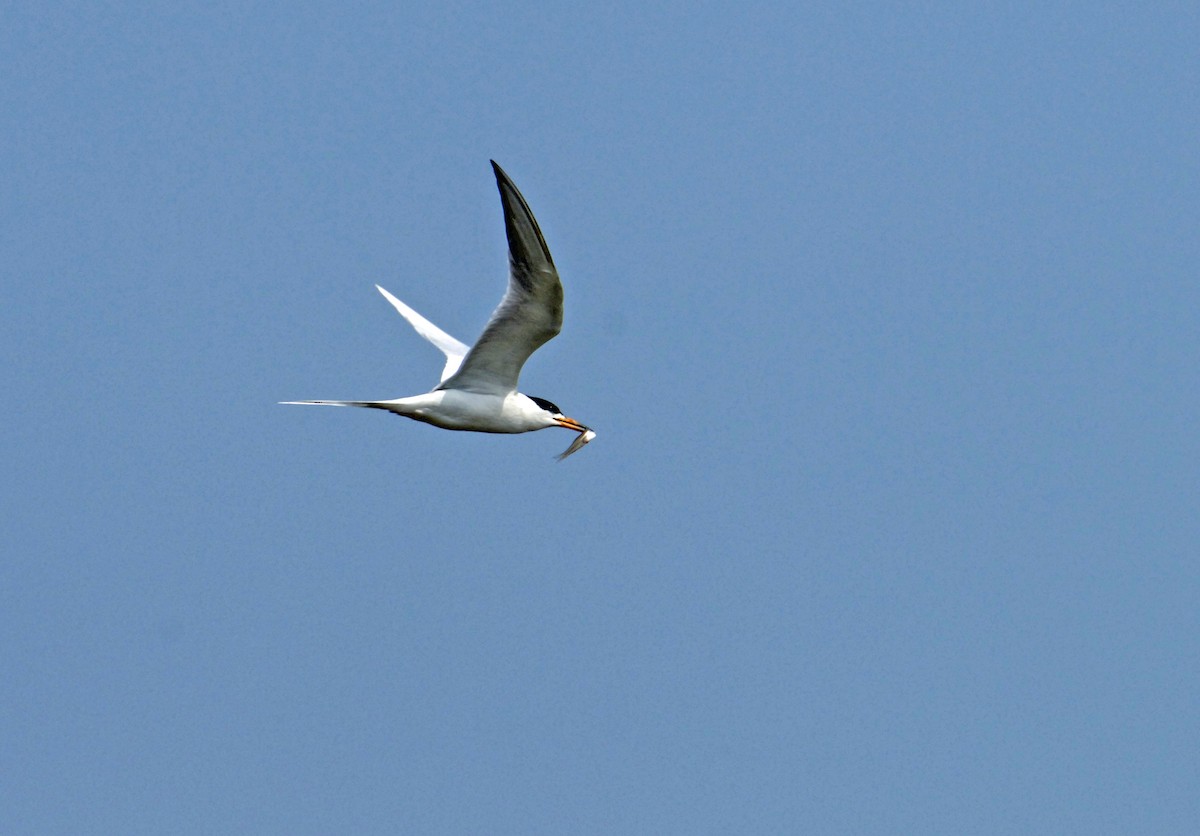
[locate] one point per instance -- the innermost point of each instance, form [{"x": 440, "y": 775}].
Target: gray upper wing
[{"x": 529, "y": 315}]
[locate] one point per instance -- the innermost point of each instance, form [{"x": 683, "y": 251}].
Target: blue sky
[{"x": 886, "y": 319}]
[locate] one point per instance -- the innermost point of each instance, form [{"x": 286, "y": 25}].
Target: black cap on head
[{"x": 546, "y": 405}]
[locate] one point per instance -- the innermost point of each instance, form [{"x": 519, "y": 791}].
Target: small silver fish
[{"x": 578, "y": 444}]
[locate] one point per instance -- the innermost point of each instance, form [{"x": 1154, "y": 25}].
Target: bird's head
[{"x": 554, "y": 416}]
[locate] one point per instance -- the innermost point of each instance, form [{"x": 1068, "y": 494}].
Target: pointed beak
[{"x": 571, "y": 424}]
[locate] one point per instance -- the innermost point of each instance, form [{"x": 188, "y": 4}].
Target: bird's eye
[{"x": 546, "y": 405}]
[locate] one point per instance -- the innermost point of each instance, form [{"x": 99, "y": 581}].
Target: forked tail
[
  {"x": 399, "y": 406},
  {"x": 375, "y": 404}
]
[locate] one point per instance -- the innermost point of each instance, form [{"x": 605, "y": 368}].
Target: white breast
[{"x": 453, "y": 409}]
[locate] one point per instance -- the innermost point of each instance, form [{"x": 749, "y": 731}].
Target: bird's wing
[
  {"x": 529, "y": 315},
  {"x": 452, "y": 348}
]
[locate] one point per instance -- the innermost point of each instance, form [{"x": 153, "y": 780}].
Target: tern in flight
[{"x": 478, "y": 390}]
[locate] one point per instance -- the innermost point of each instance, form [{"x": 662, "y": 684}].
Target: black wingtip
[
  {"x": 501, "y": 174},
  {"x": 526, "y": 245}
]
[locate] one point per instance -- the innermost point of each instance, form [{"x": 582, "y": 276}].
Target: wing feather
[
  {"x": 529, "y": 315},
  {"x": 452, "y": 348}
]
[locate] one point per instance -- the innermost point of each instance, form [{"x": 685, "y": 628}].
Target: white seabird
[{"x": 478, "y": 388}]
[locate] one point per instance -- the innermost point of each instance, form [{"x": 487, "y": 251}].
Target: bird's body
[
  {"x": 478, "y": 390},
  {"x": 455, "y": 409}
]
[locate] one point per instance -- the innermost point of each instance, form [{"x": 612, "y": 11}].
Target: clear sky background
[{"x": 886, "y": 318}]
